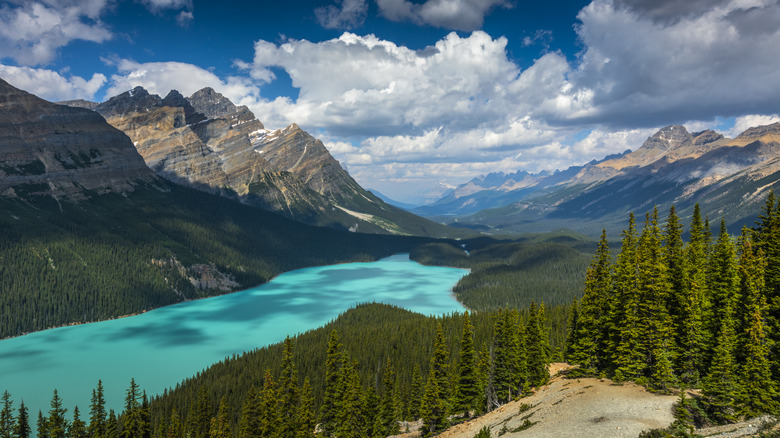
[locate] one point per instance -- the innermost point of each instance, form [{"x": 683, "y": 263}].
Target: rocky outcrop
[{"x": 48, "y": 149}]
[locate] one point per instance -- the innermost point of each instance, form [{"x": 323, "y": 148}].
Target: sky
[{"x": 414, "y": 96}]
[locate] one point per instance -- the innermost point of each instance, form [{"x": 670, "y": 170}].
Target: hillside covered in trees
[{"x": 698, "y": 314}]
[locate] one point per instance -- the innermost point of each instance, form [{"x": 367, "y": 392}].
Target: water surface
[{"x": 163, "y": 346}]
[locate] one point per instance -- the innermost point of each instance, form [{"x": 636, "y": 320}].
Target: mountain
[
  {"x": 53, "y": 150},
  {"x": 88, "y": 232},
  {"x": 206, "y": 142},
  {"x": 390, "y": 201},
  {"x": 728, "y": 177}
]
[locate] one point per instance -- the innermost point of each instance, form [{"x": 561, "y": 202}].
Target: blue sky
[{"x": 416, "y": 95}]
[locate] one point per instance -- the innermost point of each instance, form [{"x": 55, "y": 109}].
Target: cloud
[
  {"x": 350, "y": 15},
  {"x": 465, "y": 15},
  {"x": 32, "y": 32},
  {"x": 748, "y": 121},
  {"x": 50, "y": 85},
  {"x": 184, "y": 18}
]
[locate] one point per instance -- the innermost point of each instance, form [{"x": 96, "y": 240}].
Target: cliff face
[
  {"x": 55, "y": 150},
  {"x": 206, "y": 142}
]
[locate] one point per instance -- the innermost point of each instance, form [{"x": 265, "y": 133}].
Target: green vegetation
[
  {"x": 65, "y": 262},
  {"x": 360, "y": 377},
  {"x": 702, "y": 314}
]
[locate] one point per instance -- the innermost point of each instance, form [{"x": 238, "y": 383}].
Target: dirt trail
[{"x": 575, "y": 408}]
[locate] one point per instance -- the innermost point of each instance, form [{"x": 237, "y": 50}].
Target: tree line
[
  {"x": 698, "y": 314},
  {"x": 495, "y": 357}
]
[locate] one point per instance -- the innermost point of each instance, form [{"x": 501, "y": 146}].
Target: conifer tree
[
  {"x": 175, "y": 430},
  {"x": 768, "y": 241},
  {"x": 265, "y": 409},
  {"x": 654, "y": 288},
  {"x": 416, "y": 393},
  {"x": 22, "y": 426},
  {"x": 435, "y": 406},
  {"x": 349, "y": 421},
  {"x": 677, "y": 273},
  {"x": 331, "y": 397},
  {"x": 97, "y": 413},
  {"x": 467, "y": 389},
  {"x": 42, "y": 426},
  {"x": 6, "y": 416},
  {"x": 386, "y": 418},
  {"x": 112, "y": 425},
  {"x": 249, "y": 423},
  {"x": 720, "y": 386},
  {"x": 723, "y": 285},
  {"x": 369, "y": 412},
  {"x": 131, "y": 418},
  {"x": 758, "y": 391},
  {"x": 538, "y": 347},
  {"x": 200, "y": 415},
  {"x": 306, "y": 418},
  {"x": 78, "y": 428},
  {"x": 56, "y": 423},
  {"x": 624, "y": 325},
  {"x": 506, "y": 362},
  {"x": 572, "y": 325},
  {"x": 590, "y": 348},
  {"x": 484, "y": 376},
  {"x": 692, "y": 338},
  {"x": 145, "y": 417},
  {"x": 288, "y": 393},
  {"x": 220, "y": 425}
]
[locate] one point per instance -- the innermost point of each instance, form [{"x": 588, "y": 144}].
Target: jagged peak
[
  {"x": 760, "y": 131},
  {"x": 137, "y": 99}
]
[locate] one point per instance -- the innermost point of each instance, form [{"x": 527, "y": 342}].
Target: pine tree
[
  {"x": 199, "y": 421},
  {"x": 758, "y": 391},
  {"x": 386, "y": 419},
  {"x": 57, "y": 424},
  {"x": 590, "y": 348},
  {"x": 175, "y": 430},
  {"x": 416, "y": 393},
  {"x": 768, "y": 241},
  {"x": 656, "y": 324},
  {"x": 288, "y": 393},
  {"x": 306, "y": 418},
  {"x": 723, "y": 284},
  {"x": 692, "y": 339},
  {"x": 349, "y": 421},
  {"x": 97, "y": 413},
  {"x": 145, "y": 417},
  {"x": 677, "y": 274},
  {"x": 720, "y": 387},
  {"x": 624, "y": 321},
  {"x": 331, "y": 397},
  {"x": 131, "y": 418},
  {"x": 572, "y": 329},
  {"x": 6, "y": 416},
  {"x": 22, "y": 426},
  {"x": 42, "y": 426},
  {"x": 249, "y": 423},
  {"x": 112, "y": 425},
  {"x": 435, "y": 406},
  {"x": 506, "y": 344},
  {"x": 538, "y": 347},
  {"x": 266, "y": 409},
  {"x": 78, "y": 428},
  {"x": 220, "y": 425},
  {"x": 369, "y": 412},
  {"x": 466, "y": 396}
]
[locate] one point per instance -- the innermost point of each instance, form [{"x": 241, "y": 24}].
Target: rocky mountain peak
[
  {"x": 764, "y": 132},
  {"x": 212, "y": 104},
  {"x": 176, "y": 100},
  {"x": 705, "y": 137},
  {"x": 667, "y": 138},
  {"x": 135, "y": 100}
]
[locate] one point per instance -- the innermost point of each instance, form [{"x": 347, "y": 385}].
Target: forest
[
  {"x": 701, "y": 314},
  {"x": 363, "y": 375}
]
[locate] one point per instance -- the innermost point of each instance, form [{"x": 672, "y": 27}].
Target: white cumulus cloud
[
  {"x": 51, "y": 85},
  {"x": 32, "y": 32}
]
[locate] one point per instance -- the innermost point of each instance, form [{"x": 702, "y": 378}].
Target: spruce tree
[
  {"x": 249, "y": 422},
  {"x": 677, "y": 274},
  {"x": 175, "y": 429},
  {"x": 350, "y": 416},
  {"x": 307, "y": 421},
  {"x": 112, "y": 425},
  {"x": 97, "y": 413},
  {"x": 6, "y": 416},
  {"x": 572, "y": 325},
  {"x": 22, "y": 426},
  {"x": 42, "y": 426},
  {"x": 220, "y": 425},
  {"x": 758, "y": 391},
  {"x": 624, "y": 320},
  {"x": 331, "y": 396},
  {"x": 435, "y": 406},
  {"x": 78, "y": 428},
  {"x": 466, "y": 396},
  {"x": 288, "y": 393},
  {"x": 386, "y": 418},
  {"x": 265, "y": 409},
  {"x": 720, "y": 387},
  {"x": 590, "y": 348},
  {"x": 692, "y": 337},
  {"x": 200, "y": 415},
  {"x": 537, "y": 345},
  {"x": 56, "y": 423},
  {"x": 131, "y": 418},
  {"x": 416, "y": 393}
]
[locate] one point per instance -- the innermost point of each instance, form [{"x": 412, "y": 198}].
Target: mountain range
[
  {"x": 206, "y": 142},
  {"x": 730, "y": 178}
]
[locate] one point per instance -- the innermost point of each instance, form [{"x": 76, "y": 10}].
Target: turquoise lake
[{"x": 161, "y": 347}]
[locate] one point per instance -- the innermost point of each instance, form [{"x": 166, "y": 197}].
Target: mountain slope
[
  {"x": 729, "y": 177},
  {"x": 89, "y": 232},
  {"x": 206, "y": 142}
]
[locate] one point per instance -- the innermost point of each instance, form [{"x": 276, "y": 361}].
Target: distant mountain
[
  {"x": 206, "y": 142},
  {"x": 88, "y": 232},
  {"x": 390, "y": 201},
  {"x": 728, "y": 177}
]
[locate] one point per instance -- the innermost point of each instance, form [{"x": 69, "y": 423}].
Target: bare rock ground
[{"x": 575, "y": 408}]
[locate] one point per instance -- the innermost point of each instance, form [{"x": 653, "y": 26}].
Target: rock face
[
  {"x": 55, "y": 150},
  {"x": 206, "y": 142}
]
